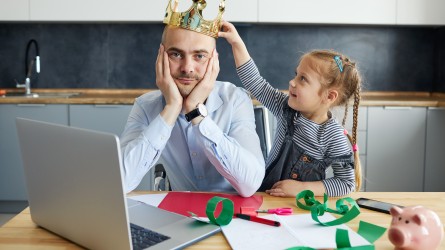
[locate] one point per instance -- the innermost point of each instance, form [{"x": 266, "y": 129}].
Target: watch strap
[{"x": 192, "y": 114}]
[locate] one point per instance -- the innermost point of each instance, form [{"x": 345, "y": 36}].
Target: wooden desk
[{"x": 21, "y": 233}]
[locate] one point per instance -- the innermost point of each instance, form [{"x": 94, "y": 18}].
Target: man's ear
[{"x": 332, "y": 95}]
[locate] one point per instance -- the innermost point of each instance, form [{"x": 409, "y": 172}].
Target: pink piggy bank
[{"x": 415, "y": 228}]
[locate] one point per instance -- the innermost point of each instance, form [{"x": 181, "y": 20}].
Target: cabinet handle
[{"x": 397, "y": 108}]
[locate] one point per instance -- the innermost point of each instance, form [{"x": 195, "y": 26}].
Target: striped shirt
[{"x": 325, "y": 142}]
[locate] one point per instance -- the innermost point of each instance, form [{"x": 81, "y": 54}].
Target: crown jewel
[{"x": 192, "y": 18}]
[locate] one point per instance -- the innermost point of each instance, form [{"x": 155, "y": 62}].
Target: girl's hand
[
  {"x": 286, "y": 188},
  {"x": 290, "y": 188},
  {"x": 239, "y": 49},
  {"x": 230, "y": 33}
]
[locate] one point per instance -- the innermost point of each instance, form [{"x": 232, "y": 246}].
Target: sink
[{"x": 41, "y": 95}]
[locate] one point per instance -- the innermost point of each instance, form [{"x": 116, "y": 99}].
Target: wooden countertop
[
  {"x": 127, "y": 96},
  {"x": 22, "y": 233}
]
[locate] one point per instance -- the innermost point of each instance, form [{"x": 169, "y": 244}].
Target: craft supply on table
[
  {"x": 183, "y": 202},
  {"x": 254, "y": 212},
  {"x": 259, "y": 220}
]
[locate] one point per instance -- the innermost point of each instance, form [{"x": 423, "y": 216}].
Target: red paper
[{"x": 183, "y": 202}]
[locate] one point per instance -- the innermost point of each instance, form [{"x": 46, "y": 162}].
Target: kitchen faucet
[{"x": 28, "y": 69}]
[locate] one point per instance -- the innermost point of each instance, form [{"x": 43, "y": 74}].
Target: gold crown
[{"x": 192, "y": 18}]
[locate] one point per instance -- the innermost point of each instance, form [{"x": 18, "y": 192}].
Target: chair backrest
[{"x": 263, "y": 129}]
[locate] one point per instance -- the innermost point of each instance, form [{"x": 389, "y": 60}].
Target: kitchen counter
[{"x": 127, "y": 96}]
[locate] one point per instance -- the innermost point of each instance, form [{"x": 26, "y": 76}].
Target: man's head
[{"x": 188, "y": 54}]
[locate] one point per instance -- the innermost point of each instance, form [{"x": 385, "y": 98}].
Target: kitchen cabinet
[
  {"x": 106, "y": 118},
  {"x": 235, "y": 10},
  {"x": 133, "y": 10},
  {"x": 12, "y": 180},
  {"x": 326, "y": 11},
  {"x": 396, "y": 149},
  {"x": 435, "y": 144},
  {"x": 420, "y": 12},
  {"x": 98, "y": 10},
  {"x": 241, "y": 11},
  {"x": 389, "y": 12},
  {"x": 362, "y": 129},
  {"x": 14, "y": 10}
]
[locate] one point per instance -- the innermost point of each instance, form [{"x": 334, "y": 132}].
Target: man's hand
[
  {"x": 202, "y": 90},
  {"x": 168, "y": 87}
]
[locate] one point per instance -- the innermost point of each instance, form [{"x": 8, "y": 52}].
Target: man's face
[{"x": 188, "y": 54}]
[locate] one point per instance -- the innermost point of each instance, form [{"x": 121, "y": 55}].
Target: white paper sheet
[
  {"x": 295, "y": 230},
  {"x": 150, "y": 199}
]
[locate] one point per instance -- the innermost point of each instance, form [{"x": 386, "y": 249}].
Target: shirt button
[{"x": 194, "y": 154}]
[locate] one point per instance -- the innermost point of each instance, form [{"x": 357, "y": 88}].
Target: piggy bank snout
[{"x": 399, "y": 237}]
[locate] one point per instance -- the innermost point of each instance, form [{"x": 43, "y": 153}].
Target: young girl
[{"x": 308, "y": 138}]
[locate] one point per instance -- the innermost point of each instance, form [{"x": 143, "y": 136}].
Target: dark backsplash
[{"x": 123, "y": 55}]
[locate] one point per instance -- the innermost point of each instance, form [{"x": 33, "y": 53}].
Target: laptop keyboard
[{"x": 143, "y": 238}]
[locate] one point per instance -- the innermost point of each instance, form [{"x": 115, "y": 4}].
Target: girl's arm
[{"x": 239, "y": 49}]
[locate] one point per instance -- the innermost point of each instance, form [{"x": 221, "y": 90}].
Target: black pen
[{"x": 259, "y": 220}]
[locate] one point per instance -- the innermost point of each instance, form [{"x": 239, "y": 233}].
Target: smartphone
[{"x": 374, "y": 205}]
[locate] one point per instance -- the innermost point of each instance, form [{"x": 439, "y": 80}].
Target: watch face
[{"x": 202, "y": 109}]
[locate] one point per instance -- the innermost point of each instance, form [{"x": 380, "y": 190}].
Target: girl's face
[{"x": 305, "y": 88}]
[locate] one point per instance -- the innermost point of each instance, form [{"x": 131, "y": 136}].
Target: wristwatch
[{"x": 200, "y": 110}]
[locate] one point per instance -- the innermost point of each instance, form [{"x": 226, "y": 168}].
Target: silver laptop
[{"x": 75, "y": 189}]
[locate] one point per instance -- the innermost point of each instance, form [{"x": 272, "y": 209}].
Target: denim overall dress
[{"x": 292, "y": 161}]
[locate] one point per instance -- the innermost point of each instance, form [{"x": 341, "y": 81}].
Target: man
[{"x": 202, "y": 129}]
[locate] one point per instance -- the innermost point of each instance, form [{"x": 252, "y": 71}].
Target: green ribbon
[
  {"x": 367, "y": 230},
  {"x": 226, "y": 215},
  {"x": 318, "y": 209},
  {"x": 342, "y": 238}
]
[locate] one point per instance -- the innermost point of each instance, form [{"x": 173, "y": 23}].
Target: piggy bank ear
[
  {"x": 395, "y": 211},
  {"x": 419, "y": 219}
]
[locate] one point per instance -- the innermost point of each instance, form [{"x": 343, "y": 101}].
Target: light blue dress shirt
[{"x": 222, "y": 153}]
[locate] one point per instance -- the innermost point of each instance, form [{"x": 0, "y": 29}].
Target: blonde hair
[{"x": 343, "y": 76}]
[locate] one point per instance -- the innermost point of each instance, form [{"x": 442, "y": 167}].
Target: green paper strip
[
  {"x": 342, "y": 242},
  {"x": 370, "y": 231},
  {"x": 342, "y": 238},
  {"x": 318, "y": 209},
  {"x": 226, "y": 215},
  {"x": 367, "y": 230}
]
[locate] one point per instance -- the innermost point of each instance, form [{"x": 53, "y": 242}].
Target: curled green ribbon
[
  {"x": 226, "y": 215},
  {"x": 368, "y": 231},
  {"x": 318, "y": 209},
  {"x": 342, "y": 240}
]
